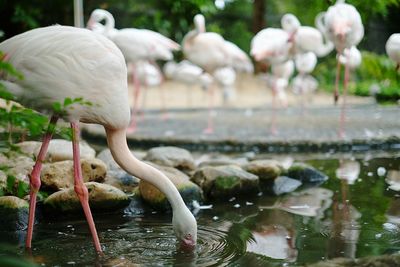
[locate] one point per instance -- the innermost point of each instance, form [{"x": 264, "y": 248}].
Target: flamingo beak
[
  {"x": 188, "y": 244},
  {"x": 90, "y": 24}
]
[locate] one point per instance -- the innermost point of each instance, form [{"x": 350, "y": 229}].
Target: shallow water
[{"x": 336, "y": 220}]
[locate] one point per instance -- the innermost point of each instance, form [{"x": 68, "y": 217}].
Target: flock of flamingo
[{"x": 61, "y": 61}]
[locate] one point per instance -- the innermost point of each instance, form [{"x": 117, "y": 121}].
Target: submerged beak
[{"x": 188, "y": 244}]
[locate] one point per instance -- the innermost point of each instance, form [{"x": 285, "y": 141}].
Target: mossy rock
[
  {"x": 102, "y": 197},
  {"x": 14, "y": 213},
  {"x": 308, "y": 175},
  {"x": 223, "y": 181},
  {"x": 264, "y": 169}
]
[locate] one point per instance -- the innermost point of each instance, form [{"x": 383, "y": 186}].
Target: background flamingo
[
  {"x": 343, "y": 26},
  {"x": 62, "y": 62},
  {"x": 189, "y": 74},
  {"x": 135, "y": 44},
  {"x": 393, "y": 48},
  {"x": 304, "y": 83},
  {"x": 208, "y": 51}
]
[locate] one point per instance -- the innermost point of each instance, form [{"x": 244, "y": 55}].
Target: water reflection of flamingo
[
  {"x": 65, "y": 62},
  {"x": 345, "y": 229}
]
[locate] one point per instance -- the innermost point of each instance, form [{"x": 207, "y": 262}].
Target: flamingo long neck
[{"x": 119, "y": 149}]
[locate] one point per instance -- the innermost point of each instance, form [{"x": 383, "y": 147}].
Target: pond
[{"x": 336, "y": 219}]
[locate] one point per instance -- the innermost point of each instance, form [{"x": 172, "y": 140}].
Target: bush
[{"x": 376, "y": 75}]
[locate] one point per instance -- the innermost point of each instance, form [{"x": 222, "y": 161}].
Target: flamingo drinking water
[{"x": 59, "y": 62}]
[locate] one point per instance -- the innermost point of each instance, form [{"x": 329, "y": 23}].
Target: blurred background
[{"x": 237, "y": 21}]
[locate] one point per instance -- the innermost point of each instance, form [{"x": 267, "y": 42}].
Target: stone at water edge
[
  {"x": 284, "y": 184},
  {"x": 13, "y": 213},
  {"x": 59, "y": 149},
  {"x": 306, "y": 174},
  {"x": 225, "y": 181},
  {"x": 265, "y": 169},
  {"x": 170, "y": 156},
  {"x": 19, "y": 166},
  {"x": 115, "y": 175},
  {"x": 58, "y": 175},
  {"x": 187, "y": 189},
  {"x": 219, "y": 160},
  {"x": 102, "y": 198}
]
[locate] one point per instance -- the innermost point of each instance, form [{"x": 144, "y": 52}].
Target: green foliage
[
  {"x": 15, "y": 187},
  {"x": 375, "y": 71}
]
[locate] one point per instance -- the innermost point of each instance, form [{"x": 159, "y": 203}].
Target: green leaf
[
  {"x": 10, "y": 183},
  {"x": 22, "y": 189}
]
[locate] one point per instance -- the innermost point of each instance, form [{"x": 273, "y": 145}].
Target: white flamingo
[
  {"x": 343, "y": 26},
  {"x": 189, "y": 74},
  {"x": 304, "y": 83},
  {"x": 59, "y": 62},
  {"x": 305, "y": 38},
  {"x": 135, "y": 45},
  {"x": 393, "y": 48},
  {"x": 208, "y": 51}
]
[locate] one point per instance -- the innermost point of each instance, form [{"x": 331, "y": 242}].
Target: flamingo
[
  {"x": 343, "y": 26},
  {"x": 225, "y": 78},
  {"x": 393, "y": 48},
  {"x": 59, "y": 62},
  {"x": 304, "y": 83},
  {"x": 187, "y": 73},
  {"x": 149, "y": 76},
  {"x": 135, "y": 45},
  {"x": 305, "y": 38},
  {"x": 208, "y": 51},
  {"x": 271, "y": 45}
]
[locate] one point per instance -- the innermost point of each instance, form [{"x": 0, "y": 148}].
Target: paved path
[{"x": 369, "y": 126}]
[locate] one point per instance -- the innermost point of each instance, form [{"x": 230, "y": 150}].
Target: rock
[
  {"x": 171, "y": 157},
  {"x": 3, "y": 181},
  {"x": 19, "y": 167},
  {"x": 59, "y": 175},
  {"x": 102, "y": 198},
  {"x": 188, "y": 190},
  {"x": 59, "y": 150},
  {"x": 115, "y": 175},
  {"x": 308, "y": 175},
  {"x": 284, "y": 184},
  {"x": 224, "y": 181},
  {"x": 13, "y": 213},
  {"x": 219, "y": 160},
  {"x": 137, "y": 205},
  {"x": 264, "y": 169}
]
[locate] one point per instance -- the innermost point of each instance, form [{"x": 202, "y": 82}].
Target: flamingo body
[{"x": 393, "y": 48}]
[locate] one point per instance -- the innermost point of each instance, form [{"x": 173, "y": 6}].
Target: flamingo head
[
  {"x": 200, "y": 23},
  {"x": 185, "y": 228},
  {"x": 290, "y": 23},
  {"x": 96, "y": 16}
]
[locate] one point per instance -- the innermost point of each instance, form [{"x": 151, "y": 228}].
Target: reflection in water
[
  {"x": 393, "y": 179},
  {"x": 310, "y": 202},
  {"x": 393, "y": 213},
  {"x": 345, "y": 229},
  {"x": 275, "y": 231}
]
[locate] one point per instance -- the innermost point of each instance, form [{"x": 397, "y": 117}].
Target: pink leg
[
  {"x": 336, "y": 92},
  {"x": 136, "y": 95},
  {"x": 210, "y": 122},
  {"x": 274, "y": 110},
  {"x": 343, "y": 110},
  {"x": 80, "y": 188},
  {"x": 34, "y": 178},
  {"x": 164, "y": 115}
]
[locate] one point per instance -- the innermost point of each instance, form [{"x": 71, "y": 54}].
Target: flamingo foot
[
  {"x": 165, "y": 116},
  {"x": 274, "y": 131},
  {"x": 208, "y": 130}
]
